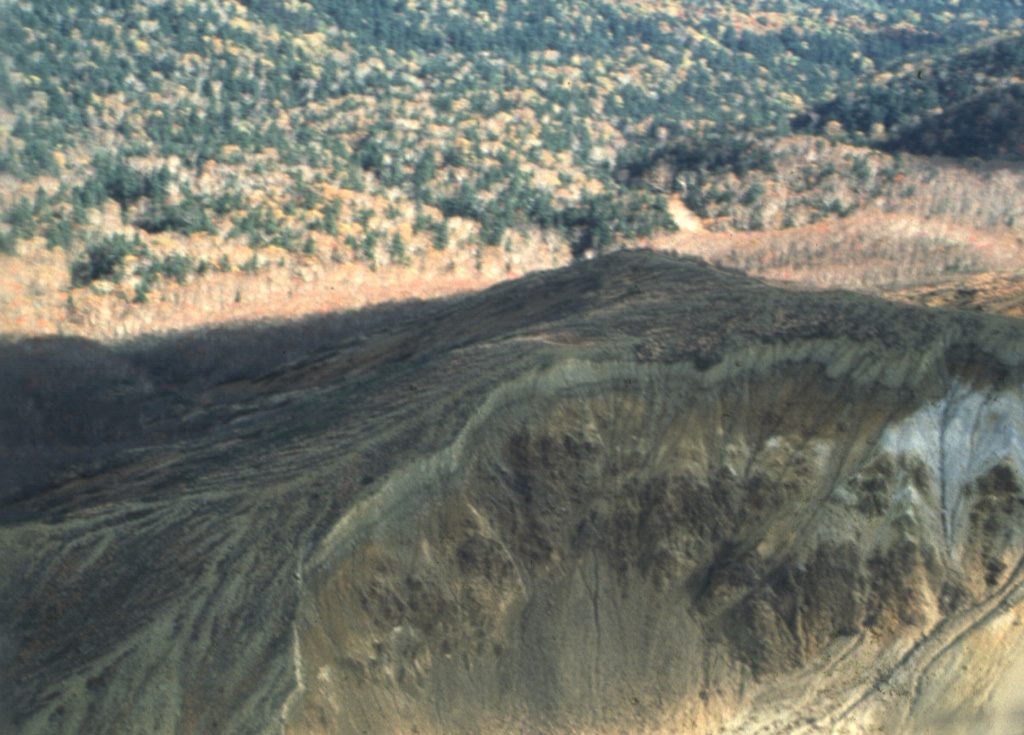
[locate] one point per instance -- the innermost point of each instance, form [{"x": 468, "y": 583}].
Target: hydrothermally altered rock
[{"x": 638, "y": 495}]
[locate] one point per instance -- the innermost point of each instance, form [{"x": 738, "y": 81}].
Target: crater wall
[{"x": 647, "y": 548}]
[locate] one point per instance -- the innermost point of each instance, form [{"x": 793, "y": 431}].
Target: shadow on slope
[
  {"x": 541, "y": 498},
  {"x": 73, "y": 403},
  {"x": 70, "y": 404}
]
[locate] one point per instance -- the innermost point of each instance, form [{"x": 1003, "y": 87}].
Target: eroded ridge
[
  {"x": 639, "y": 495},
  {"x": 624, "y": 547}
]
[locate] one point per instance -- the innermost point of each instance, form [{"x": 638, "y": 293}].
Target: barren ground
[{"x": 641, "y": 494}]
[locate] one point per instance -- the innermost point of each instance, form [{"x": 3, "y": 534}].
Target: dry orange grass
[
  {"x": 866, "y": 251},
  {"x": 34, "y": 295},
  {"x": 873, "y": 250}
]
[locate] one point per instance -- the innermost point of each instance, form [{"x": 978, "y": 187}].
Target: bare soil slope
[{"x": 640, "y": 494}]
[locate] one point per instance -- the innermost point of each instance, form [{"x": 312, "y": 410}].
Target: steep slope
[
  {"x": 640, "y": 494},
  {"x": 965, "y": 104}
]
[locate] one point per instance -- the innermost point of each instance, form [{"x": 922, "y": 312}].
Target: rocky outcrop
[{"x": 637, "y": 495}]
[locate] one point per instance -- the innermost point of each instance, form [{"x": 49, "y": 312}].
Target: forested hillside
[
  {"x": 144, "y": 145},
  {"x": 967, "y": 104}
]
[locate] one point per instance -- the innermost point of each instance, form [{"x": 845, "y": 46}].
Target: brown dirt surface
[{"x": 638, "y": 494}]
